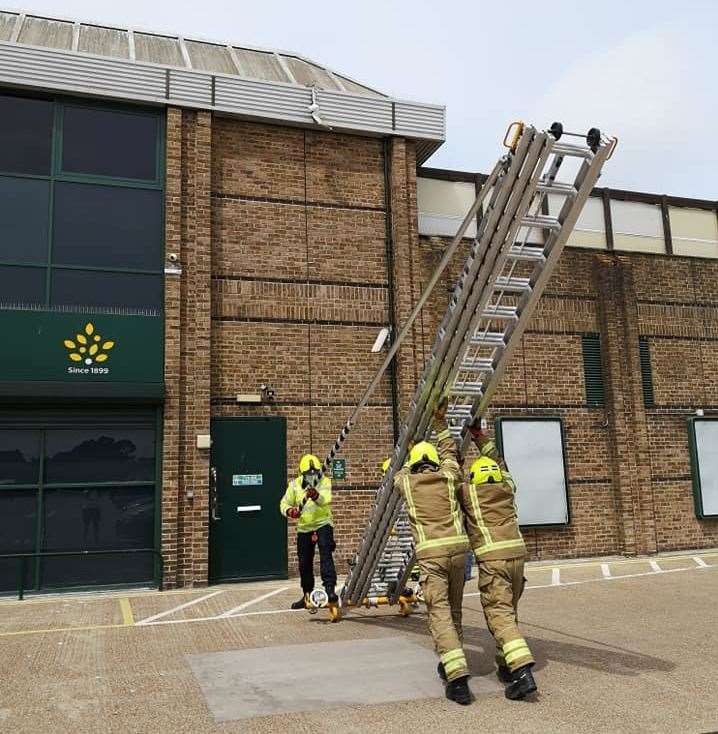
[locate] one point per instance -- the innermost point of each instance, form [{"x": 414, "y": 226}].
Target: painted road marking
[
  {"x": 555, "y": 577},
  {"x": 656, "y": 568},
  {"x": 149, "y": 620},
  {"x": 700, "y": 562},
  {"x": 250, "y": 603},
  {"x": 126, "y": 609},
  {"x": 605, "y": 571}
]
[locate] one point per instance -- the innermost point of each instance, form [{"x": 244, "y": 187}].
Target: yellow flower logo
[{"x": 88, "y": 347}]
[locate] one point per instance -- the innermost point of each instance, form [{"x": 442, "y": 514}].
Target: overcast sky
[{"x": 644, "y": 70}]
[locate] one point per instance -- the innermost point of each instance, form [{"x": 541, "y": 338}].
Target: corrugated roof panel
[
  {"x": 264, "y": 99},
  {"x": 420, "y": 120},
  {"x": 352, "y": 86},
  {"x": 46, "y": 33},
  {"x": 309, "y": 75},
  {"x": 7, "y": 24},
  {"x": 191, "y": 87},
  {"x": 158, "y": 49},
  {"x": 260, "y": 65},
  {"x": 104, "y": 41},
  {"x": 210, "y": 57}
]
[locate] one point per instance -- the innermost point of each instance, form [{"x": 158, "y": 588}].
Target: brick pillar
[
  {"x": 185, "y": 493},
  {"x": 407, "y": 269},
  {"x": 630, "y": 459}
]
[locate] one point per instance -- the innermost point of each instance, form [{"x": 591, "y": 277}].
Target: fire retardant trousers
[
  {"x": 442, "y": 581},
  {"x": 306, "y": 542},
  {"x": 501, "y": 583}
]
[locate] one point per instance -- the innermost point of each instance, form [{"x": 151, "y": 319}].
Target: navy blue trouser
[{"x": 305, "y": 551}]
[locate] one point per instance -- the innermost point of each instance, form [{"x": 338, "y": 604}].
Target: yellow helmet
[
  {"x": 423, "y": 451},
  {"x": 309, "y": 462},
  {"x": 384, "y": 467},
  {"x": 484, "y": 470}
]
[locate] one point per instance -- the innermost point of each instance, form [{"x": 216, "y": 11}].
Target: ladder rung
[
  {"x": 492, "y": 311},
  {"x": 571, "y": 150},
  {"x": 467, "y": 389},
  {"x": 515, "y": 285},
  {"x": 482, "y": 364},
  {"x": 492, "y": 338},
  {"x": 461, "y": 411},
  {"x": 527, "y": 252},
  {"x": 557, "y": 188},
  {"x": 541, "y": 220}
]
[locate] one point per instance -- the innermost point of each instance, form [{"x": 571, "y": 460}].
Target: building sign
[
  {"x": 247, "y": 480},
  {"x": 339, "y": 468},
  {"x": 46, "y": 346}
]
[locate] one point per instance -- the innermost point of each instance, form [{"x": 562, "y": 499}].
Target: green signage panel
[
  {"x": 46, "y": 346},
  {"x": 339, "y": 468}
]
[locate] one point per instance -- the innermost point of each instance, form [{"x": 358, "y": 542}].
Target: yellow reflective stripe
[
  {"x": 454, "y": 654},
  {"x": 452, "y": 667},
  {"x": 522, "y": 652},
  {"x": 446, "y": 433},
  {"x": 488, "y": 447},
  {"x": 500, "y": 545},
  {"x": 439, "y": 542},
  {"x": 412, "y": 510},
  {"x": 477, "y": 514},
  {"x": 513, "y": 645},
  {"x": 453, "y": 504},
  {"x": 453, "y": 660}
]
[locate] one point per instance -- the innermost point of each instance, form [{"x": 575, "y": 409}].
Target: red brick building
[{"x": 286, "y": 245}]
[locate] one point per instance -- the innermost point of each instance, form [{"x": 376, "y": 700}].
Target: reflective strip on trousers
[
  {"x": 453, "y": 660},
  {"x": 515, "y": 650},
  {"x": 440, "y": 542},
  {"x": 500, "y": 545}
]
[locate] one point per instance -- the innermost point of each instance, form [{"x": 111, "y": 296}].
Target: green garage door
[
  {"x": 248, "y": 536},
  {"x": 78, "y": 482}
]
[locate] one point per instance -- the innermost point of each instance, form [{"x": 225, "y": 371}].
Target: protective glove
[
  {"x": 312, "y": 494},
  {"x": 475, "y": 429},
  {"x": 293, "y": 513}
]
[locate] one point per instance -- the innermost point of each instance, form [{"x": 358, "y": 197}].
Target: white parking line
[
  {"x": 250, "y": 603},
  {"x": 150, "y": 620},
  {"x": 656, "y": 568},
  {"x": 605, "y": 571},
  {"x": 555, "y": 577},
  {"x": 700, "y": 562}
]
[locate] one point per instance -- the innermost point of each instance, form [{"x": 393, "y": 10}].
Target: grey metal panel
[
  {"x": 72, "y": 72},
  {"x": 309, "y": 74},
  {"x": 340, "y": 109},
  {"x": 425, "y": 149},
  {"x": 104, "y": 41},
  {"x": 417, "y": 120},
  {"x": 210, "y": 57},
  {"x": 158, "y": 49},
  {"x": 260, "y": 65},
  {"x": 263, "y": 99},
  {"x": 47, "y": 33},
  {"x": 7, "y": 24},
  {"x": 190, "y": 87}
]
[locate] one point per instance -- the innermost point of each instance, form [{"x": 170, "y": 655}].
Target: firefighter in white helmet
[{"x": 309, "y": 504}]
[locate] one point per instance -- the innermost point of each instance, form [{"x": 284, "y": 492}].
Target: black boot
[
  {"x": 522, "y": 685},
  {"x": 300, "y": 603},
  {"x": 441, "y": 672},
  {"x": 504, "y": 674},
  {"x": 332, "y": 597},
  {"x": 458, "y": 690}
]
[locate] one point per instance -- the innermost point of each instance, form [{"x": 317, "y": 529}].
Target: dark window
[
  {"x": 98, "y": 519},
  {"x": 84, "y": 288},
  {"x": 107, "y": 226},
  {"x": 24, "y": 220},
  {"x": 109, "y": 143},
  {"x": 18, "y": 525},
  {"x": 25, "y": 135},
  {"x": 593, "y": 370},
  {"x": 100, "y": 455},
  {"x": 22, "y": 285},
  {"x": 644, "y": 352},
  {"x": 19, "y": 457}
]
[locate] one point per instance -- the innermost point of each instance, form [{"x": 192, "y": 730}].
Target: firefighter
[
  {"x": 310, "y": 506},
  {"x": 488, "y": 501},
  {"x": 430, "y": 483}
]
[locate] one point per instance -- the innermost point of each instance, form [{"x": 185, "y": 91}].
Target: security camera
[{"x": 173, "y": 257}]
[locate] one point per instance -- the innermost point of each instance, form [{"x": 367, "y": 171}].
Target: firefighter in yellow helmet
[
  {"x": 309, "y": 504},
  {"x": 430, "y": 483},
  {"x": 488, "y": 500}
]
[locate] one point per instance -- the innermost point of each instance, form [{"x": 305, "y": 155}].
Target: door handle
[
  {"x": 213, "y": 499},
  {"x": 249, "y": 508}
]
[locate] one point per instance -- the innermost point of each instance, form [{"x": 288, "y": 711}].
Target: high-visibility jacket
[
  {"x": 316, "y": 513},
  {"x": 491, "y": 517},
  {"x": 432, "y": 502}
]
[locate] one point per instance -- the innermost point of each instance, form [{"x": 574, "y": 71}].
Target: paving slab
[{"x": 243, "y": 684}]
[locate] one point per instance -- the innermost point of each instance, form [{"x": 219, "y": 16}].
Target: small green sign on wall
[{"x": 339, "y": 468}]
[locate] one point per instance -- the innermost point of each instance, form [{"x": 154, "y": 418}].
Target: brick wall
[{"x": 282, "y": 234}]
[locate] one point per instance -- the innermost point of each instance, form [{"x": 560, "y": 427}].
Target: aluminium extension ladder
[{"x": 499, "y": 287}]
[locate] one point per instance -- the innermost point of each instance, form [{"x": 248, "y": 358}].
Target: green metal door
[{"x": 248, "y": 475}]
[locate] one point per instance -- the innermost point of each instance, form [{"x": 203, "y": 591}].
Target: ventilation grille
[{"x": 593, "y": 370}]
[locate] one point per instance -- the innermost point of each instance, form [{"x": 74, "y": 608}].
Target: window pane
[
  {"x": 98, "y": 519},
  {"x": 109, "y": 143},
  {"x": 100, "y": 455},
  {"x": 24, "y": 219},
  {"x": 107, "y": 226},
  {"x": 19, "y": 457},
  {"x": 104, "y": 290},
  {"x": 18, "y": 510},
  {"x": 22, "y": 286},
  {"x": 25, "y": 135}
]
